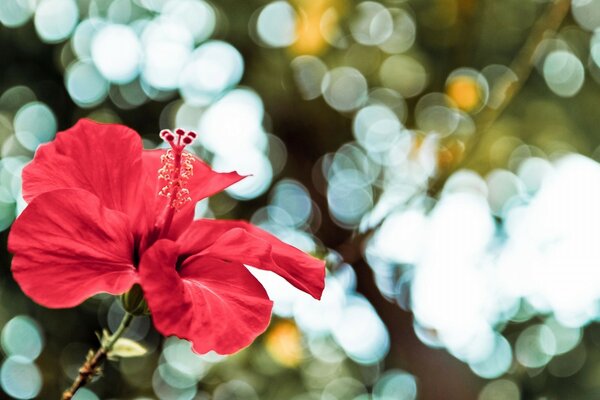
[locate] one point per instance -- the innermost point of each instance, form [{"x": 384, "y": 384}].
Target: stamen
[{"x": 177, "y": 167}]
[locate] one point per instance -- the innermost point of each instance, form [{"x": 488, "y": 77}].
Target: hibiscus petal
[
  {"x": 204, "y": 183},
  {"x": 104, "y": 159},
  {"x": 242, "y": 242},
  {"x": 68, "y": 247},
  {"x": 214, "y": 304}
]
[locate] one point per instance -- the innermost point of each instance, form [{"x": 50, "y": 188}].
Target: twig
[{"x": 93, "y": 362}]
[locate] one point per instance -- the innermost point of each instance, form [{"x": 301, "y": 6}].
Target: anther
[{"x": 167, "y": 135}]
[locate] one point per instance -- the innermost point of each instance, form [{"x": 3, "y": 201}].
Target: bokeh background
[{"x": 441, "y": 155}]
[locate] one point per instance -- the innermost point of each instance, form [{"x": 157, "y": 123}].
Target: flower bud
[{"x": 133, "y": 301}]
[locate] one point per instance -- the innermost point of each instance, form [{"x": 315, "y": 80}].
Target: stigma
[{"x": 177, "y": 167}]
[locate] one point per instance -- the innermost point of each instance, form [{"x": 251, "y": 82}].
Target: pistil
[{"x": 177, "y": 168}]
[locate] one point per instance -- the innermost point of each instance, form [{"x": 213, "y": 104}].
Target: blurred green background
[{"x": 440, "y": 154}]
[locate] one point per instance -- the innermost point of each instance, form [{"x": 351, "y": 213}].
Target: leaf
[{"x": 127, "y": 348}]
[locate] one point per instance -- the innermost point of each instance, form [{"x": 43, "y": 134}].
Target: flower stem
[{"x": 93, "y": 361}]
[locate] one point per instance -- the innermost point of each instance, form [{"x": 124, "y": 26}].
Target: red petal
[
  {"x": 204, "y": 183},
  {"x": 104, "y": 159},
  {"x": 214, "y": 304},
  {"x": 242, "y": 242},
  {"x": 68, "y": 247}
]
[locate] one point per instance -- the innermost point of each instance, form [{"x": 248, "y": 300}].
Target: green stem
[
  {"x": 93, "y": 361},
  {"x": 125, "y": 322}
]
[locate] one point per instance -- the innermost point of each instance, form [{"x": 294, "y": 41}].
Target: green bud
[{"x": 134, "y": 302}]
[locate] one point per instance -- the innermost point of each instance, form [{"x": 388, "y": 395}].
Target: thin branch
[
  {"x": 93, "y": 362},
  {"x": 521, "y": 67},
  {"x": 508, "y": 86}
]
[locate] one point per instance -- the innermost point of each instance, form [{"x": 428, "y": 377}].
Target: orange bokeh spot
[
  {"x": 451, "y": 154},
  {"x": 465, "y": 91},
  {"x": 284, "y": 344},
  {"x": 317, "y": 19}
]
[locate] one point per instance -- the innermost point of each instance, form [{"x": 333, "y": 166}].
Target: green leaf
[{"x": 127, "y": 348}]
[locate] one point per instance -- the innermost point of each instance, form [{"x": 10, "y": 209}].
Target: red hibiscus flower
[{"x": 104, "y": 214}]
